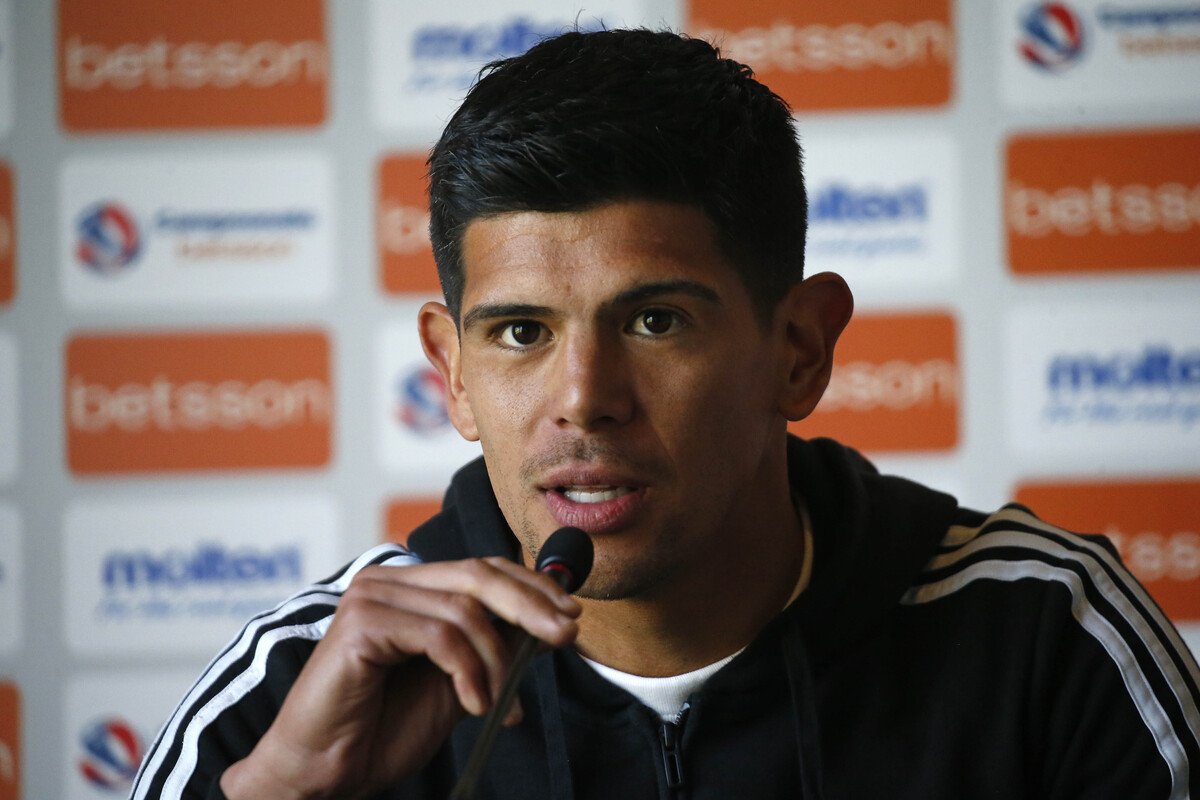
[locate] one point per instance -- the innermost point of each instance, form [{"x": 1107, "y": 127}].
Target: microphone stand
[{"x": 566, "y": 558}]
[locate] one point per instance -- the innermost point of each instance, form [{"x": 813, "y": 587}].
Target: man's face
[{"x": 612, "y": 366}]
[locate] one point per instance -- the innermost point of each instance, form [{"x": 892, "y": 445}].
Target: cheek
[
  {"x": 502, "y": 405},
  {"x": 719, "y": 411}
]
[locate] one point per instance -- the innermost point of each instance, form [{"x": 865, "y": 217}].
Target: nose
[{"x": 592, "y": 387}]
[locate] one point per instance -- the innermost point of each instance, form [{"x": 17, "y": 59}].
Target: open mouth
[{"x": 592, "y": 494}]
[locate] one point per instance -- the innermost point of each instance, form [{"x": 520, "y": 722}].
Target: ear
[
  {"x": 813, "y": 315},
  {"x": 439, "y": 338}
]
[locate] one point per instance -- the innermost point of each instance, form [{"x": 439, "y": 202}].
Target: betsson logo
[
  {"x": 402, "y": 516},
  {"x": 1103, "y": 201},
  {"x": 403, "y": 230},
  {"x": 137, "y": 402},
  {"x": 8, "y": 246},
  {"x": 1103, "y": 208},
  {"x": 888, "y": 45},
  {"x": 196, "y": 405},
  {"x": 8, "y": 766},
  {"x": 1152, "y": 523},
  {"x": 894, "y": 386},
  {"x": 10, "y": 741},
  {"x": 160, "y": 64},
  {"x": 865, "y": 54},
  {"x": 406, "y": 262}
]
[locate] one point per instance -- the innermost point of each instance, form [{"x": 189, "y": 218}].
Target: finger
[
  {"x": 511, "y": 592},
  {"x": 381, "y": 636},
  {"x": 565, "y": 602},
  {"x": 461, "y": 610}
]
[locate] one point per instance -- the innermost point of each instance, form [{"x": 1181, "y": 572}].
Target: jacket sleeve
[
  {"x": 1118, "y": 687},
  {"x": 235, "y": 700},
  {"x": 1102, "y": 686}
]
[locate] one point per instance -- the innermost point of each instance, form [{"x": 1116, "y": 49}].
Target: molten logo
[
  {"x": 112, "y": 752},
  {"x": 193, "y": 65},
  {"x": 1051, "y": 36},
  {"x": 207, "y": 565},
  {"x": 1155, "y": 526},
  {"x": 8, "y": 237},
  {"x": 197, "y": 401},
  {"x": 841, "y": 203},
  {"x": 895, "y": 385},
  {"x": 484, "y": 42},
  {"x": 402, "y": 227},
  {"x": 854, "y": 54},
  {"x": 1156, "y": 367},
  {"x": 1104, "y": 201},
  {"x": 108, "y": 239}
]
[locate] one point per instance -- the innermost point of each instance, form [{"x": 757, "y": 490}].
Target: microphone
[{"x": 566, "y": 558}]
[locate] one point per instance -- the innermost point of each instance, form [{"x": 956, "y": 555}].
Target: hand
[{"x": 410, "y": 650}]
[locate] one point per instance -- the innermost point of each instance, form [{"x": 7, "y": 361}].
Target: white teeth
[{"x": 594, "y": 494}]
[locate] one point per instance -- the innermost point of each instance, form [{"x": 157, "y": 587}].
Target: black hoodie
[{"x": 937, "y": 653}]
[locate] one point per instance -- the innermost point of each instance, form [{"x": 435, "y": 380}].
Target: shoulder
[
  {"x": 1013, "y": 544},
  {"x": 240, "y": 690},
  {"x": 1095, "y": 634}
]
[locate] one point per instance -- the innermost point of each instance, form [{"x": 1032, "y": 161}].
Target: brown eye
[
  {"x": 521, "y": 334},
  {"x": 654, "y": 322}
]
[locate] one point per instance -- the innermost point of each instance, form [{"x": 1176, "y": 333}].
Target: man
[{"x": 618, "y": 221}]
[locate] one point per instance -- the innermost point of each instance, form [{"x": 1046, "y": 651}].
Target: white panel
[
  {"x": 424, "y": 56},
  {"x": 416, "y": 440},
  {"x": 196, "y": 230},
  {"x": 883, "y": 211},
  {"x": 1096, "y": 53},
  {"x": 110, "y": 720},
  {"x": 138, "y": 572},
  {"x": 1104, "y": 386}
]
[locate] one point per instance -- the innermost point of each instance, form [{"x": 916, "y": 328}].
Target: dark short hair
[{"x": 583, "y": 119}]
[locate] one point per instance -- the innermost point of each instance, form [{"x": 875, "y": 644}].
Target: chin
[{"x": 616, "y": 581}]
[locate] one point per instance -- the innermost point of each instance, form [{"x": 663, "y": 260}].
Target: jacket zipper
[{"x": 669, "y": 737}]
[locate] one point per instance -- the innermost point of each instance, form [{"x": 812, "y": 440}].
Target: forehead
[{"x": 603, "y": 248}]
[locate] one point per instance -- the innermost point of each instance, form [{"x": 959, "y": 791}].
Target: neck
[{"x": 716, "y": 607}]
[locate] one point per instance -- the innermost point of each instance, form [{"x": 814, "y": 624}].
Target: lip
[{"x": 600, "y": 517}]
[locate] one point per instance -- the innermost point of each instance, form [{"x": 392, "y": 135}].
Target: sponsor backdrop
[{"x": 213, "y": 249}]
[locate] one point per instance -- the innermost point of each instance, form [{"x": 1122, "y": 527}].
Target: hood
[{"x": 872, "y": 535}]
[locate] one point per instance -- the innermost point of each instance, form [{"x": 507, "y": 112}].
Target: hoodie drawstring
[
  {"x": 557, "y": 761},
  {"x": 804, "y": 713}
]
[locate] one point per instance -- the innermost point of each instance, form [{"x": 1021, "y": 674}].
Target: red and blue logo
[
  {"x": 1052, "y": 37},
  {"x": 112, "y": 753},
  {"x": 422, "y": 401},
  {"x": 109, "y": 239}
]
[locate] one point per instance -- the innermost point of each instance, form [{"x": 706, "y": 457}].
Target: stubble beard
[
  {"x": 610, "y": 578},
  {"x": 620, "y": 579}
]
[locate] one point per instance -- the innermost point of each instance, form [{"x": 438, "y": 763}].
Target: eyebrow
[
  {"x": 486, "y": 311},
  {"x": 648, "y": 291},
  {"x": 636, "y": 294}
]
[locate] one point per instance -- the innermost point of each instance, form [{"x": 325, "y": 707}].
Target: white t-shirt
[{"x": 666, "y": 696}]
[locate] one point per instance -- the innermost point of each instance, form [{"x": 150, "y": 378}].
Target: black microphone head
[{"x": 566, "y": 557}]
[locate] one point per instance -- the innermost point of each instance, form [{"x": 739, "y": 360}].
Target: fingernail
[
  {"x": 568, "y": 604},
  {"x": 515, "y": 714}
]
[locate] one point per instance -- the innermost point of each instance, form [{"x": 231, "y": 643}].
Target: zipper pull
[{"x": 672, "y": 753}]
